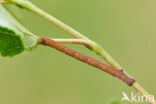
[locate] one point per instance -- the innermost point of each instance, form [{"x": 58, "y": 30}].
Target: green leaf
[
  {"x": 14, "y": 38},
  {"x": 10, "y": 43}
]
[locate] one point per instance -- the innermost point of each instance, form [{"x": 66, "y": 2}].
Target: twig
[
  {"x": 110, "y": 70},
  {"x": 74, "y": 41},
  {"x": 28, "y": 5}
]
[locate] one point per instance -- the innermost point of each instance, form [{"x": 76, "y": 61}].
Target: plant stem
[
  {"x": 28, "y": 5},
  {"x": 110, "y": 70},
  {"x": 95, "y": 47},
  {"x": 74, "y": 41}
]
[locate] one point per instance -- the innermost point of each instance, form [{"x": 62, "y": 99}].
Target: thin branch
[
  {"x": 70, "y": 41},
  {"x": 74, "y": 41},
  {"x": 110, "y": 70},
  {"x": 28, "y": 5},
  {"x": 142, "y": 91}
]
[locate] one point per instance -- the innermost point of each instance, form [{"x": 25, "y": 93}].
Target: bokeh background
[{"x": 125, "y": 28}]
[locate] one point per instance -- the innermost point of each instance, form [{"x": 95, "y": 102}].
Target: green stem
[
  {"x": 95, "y": 47},
  {"x": 29, "y": 6},
  {"x": 71, "y": 41}
]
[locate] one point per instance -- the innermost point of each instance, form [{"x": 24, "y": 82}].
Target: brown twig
[{"x": 110, "y": 70}]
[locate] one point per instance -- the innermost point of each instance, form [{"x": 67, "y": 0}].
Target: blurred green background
[{"x": 125, "y": 28}]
